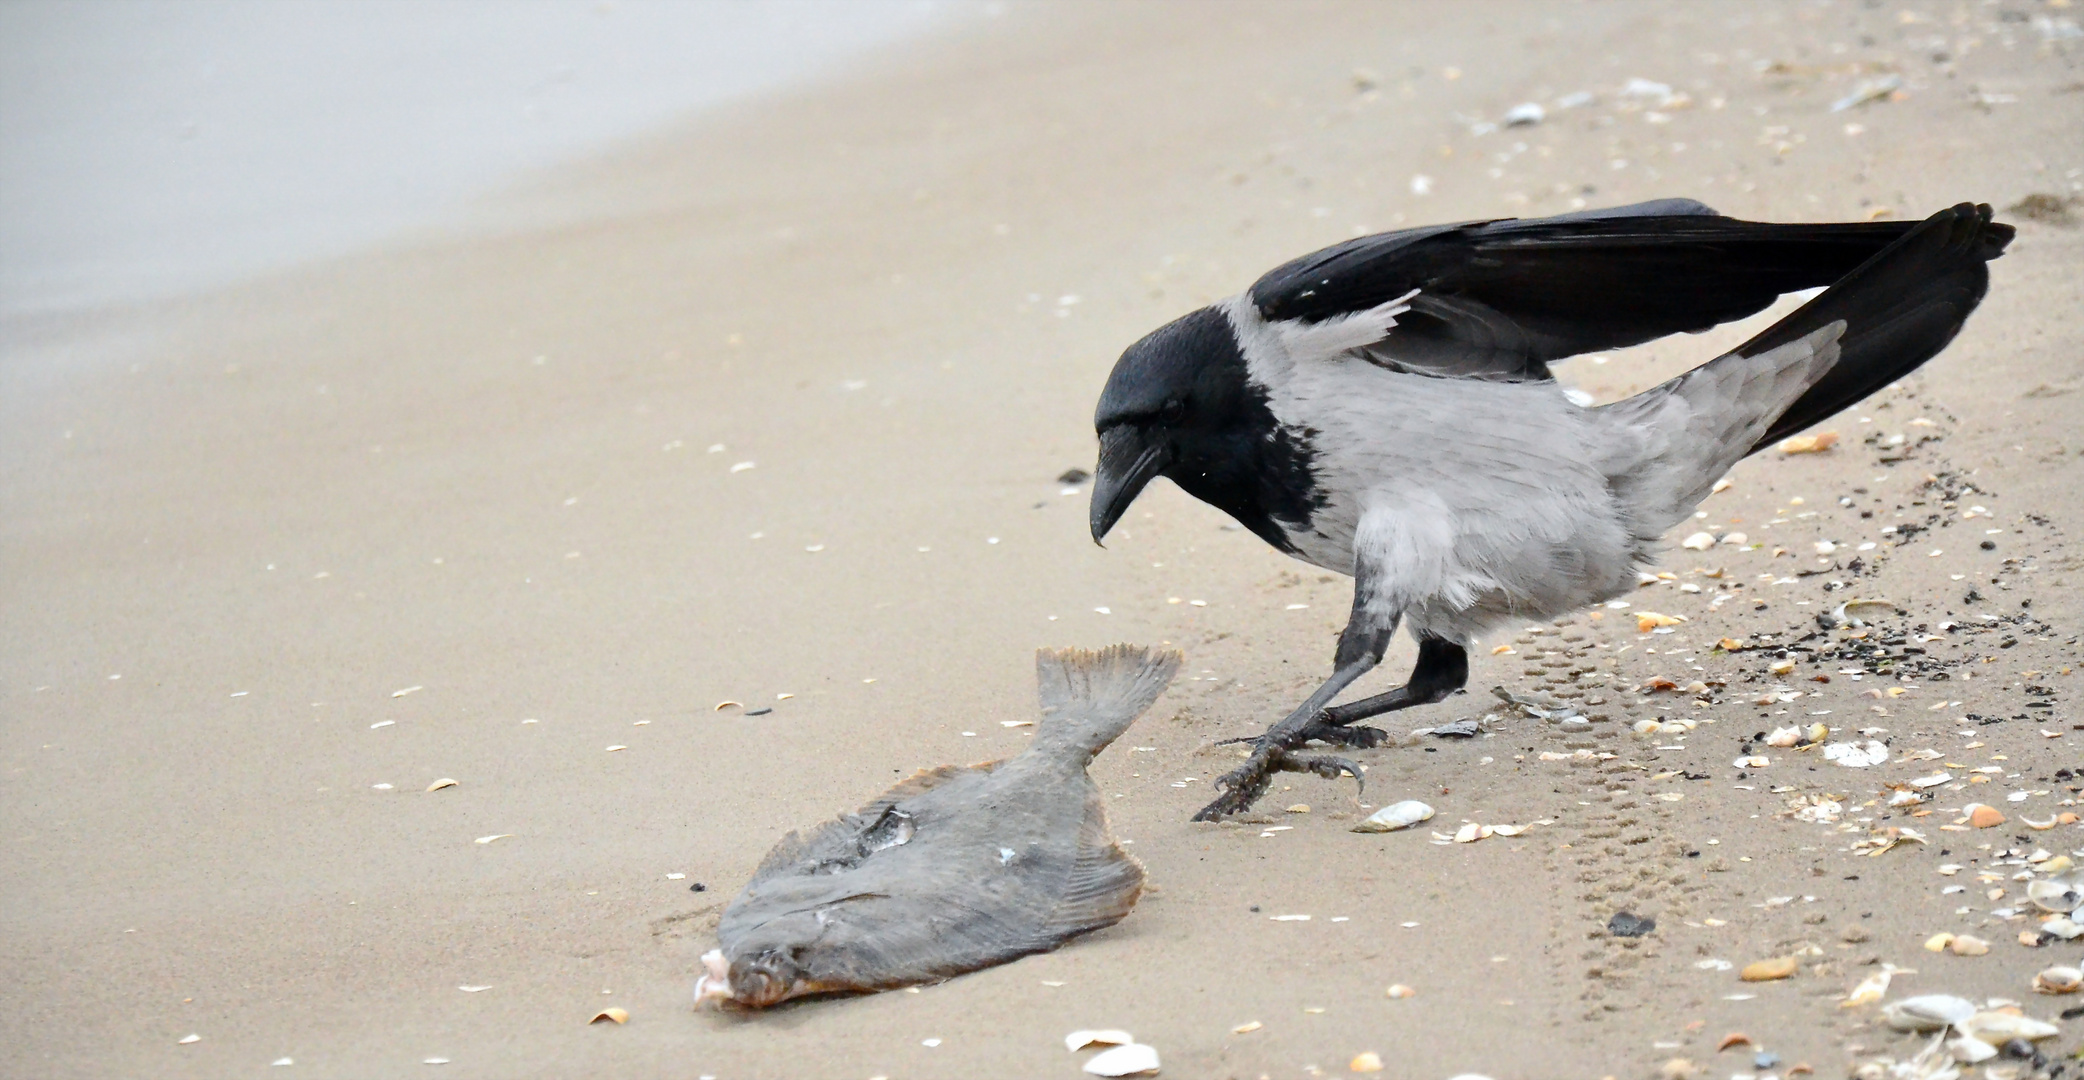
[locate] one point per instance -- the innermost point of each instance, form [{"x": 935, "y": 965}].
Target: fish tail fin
[{"x": 1090, "y": 697}]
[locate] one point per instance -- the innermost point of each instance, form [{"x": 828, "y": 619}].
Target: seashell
[
  {"x": 1368, "y": 1061},
  {"x": 1902, "y": 797},
  {"x": 1938, "y": 942},
  {"x": 1646, "y": 621},
  {"x": 441, "y": 783},
  {"x": 1750, "y": 761},
  {"x": 189, "y": 1040},
  {"x": 1129, "y": 1059},
  {"x": 1735, "y": 539},
  {"x": 1469, "y": 833},
  {"x": 1817, "y": 732},
  {"x": 1699, "y": 541},
  {"x": 1395, "y": 816},
  {"x": 1933, "y": 780},
  {"x": 1779, "y": 967},
  {"x": 1926, "y": 1012},
  {"x": 1983, "y": 817},
  {"x": 2002, "y": 1027},
  {"x": 618, "y": 1015},
  {"x": 1871, "y": 989},
  {"x": 2058, "y": 980},
  {"x": 1809, "y": 444},
  {"x": 2037, "y": 826},
  {"x": 1079, "y": 1040},
  {"x": 2060, "y": 895},
  {"x": 1968, "y": 945},
  {"x": 1734, "y": 1038},
  {"x": 1647, "y": 727},
  {"x": 1732, "y": 644},
  {"x": 1247, "y": 1029},
  {"x": 1969, "y": 1050},
  {"x": 2062, "y": 928},
  {"x": 1299, "y": 808},
  {"x": 1856, "y": 755},
  {"x": 1862, "y": 612},
  {"x": 1400, "y": 991},
  {"x": 1784, "y": 737},
  {"x": 1781, "y": 667},
  {"x": 722, "y": 705}
]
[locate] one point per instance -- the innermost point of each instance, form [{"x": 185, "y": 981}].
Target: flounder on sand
[{"x": 957, "y": 868}]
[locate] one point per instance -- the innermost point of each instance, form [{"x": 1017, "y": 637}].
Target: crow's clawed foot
[{"x": 1245, "y": 784}]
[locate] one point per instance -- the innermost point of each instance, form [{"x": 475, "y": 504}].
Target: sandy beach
[{"x": 770, "y": 407}]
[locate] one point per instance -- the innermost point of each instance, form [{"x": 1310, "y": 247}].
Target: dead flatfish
[{"x": 957, "y": 868}]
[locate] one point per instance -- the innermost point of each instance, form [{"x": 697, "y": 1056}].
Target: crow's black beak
[{"x": 1128, "y": 461}]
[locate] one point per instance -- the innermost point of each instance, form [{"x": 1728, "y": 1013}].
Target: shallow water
[{"x": 152, "y": 148}]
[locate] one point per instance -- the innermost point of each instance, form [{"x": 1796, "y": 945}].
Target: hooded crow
[{"x": 1384, "y": 409}]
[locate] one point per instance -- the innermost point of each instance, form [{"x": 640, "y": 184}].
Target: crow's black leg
[
  {"x": 1442, "y": 669},
  {"x": 1361, "y": 646}
]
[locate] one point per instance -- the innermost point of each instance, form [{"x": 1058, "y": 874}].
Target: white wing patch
[{"x": 1307, "y": 341}]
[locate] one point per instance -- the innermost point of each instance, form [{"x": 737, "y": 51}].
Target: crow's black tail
[{"x": 1899, "y": 308}]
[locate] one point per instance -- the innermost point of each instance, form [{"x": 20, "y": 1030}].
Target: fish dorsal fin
[
  {"x": 1104, "y": 882},
  {"x": 1090, "y": 697},
  {"x": 921, "y": 782}
]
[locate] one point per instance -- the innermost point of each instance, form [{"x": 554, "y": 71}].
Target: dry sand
[{"x": 237, "y": 529}]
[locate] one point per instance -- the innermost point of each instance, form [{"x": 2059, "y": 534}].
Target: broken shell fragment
[
  {"x": 1368, "y": 1061},
  {"x": 1970, "y": 1050},
  {"x": 1734, "y": 1038},
  {"x": 1079, "y": 1040},
  {"x": 1247, "y": 1029},
  {"x": 2060, "y": 895},
  {"x": 441, "y": 783},
  {"x": 1395, "y": 816},
  {"x": 1862, "y": 612},
  {"x": 1129, "y": 1059},
  {"x": 1871, "y": 989},
  {"x": 2062, "y": 928},
  {"x": 1400, "y": 991},
  {"x": 1784, "y": 737},
  {"x": 1926, "y": 1012},
  {"x": 1938, "y": 942},
  {"x": 1968, "y": 945},
  {"x": 1983, "y": 817},
  {"x": 1779, "y": 967},
  {"x": 1809, "y": 444},
  {"x": 2058, "y": 980},
  {"x": 1854, "y": 755},
  {"x": 722, "y": 705},
  {"x": 1646, "y": 621},
  {"x": 1997, "y": 1027},
  {"x": 618, "y": 1015},
  {"x": 1699, "y": 541}
]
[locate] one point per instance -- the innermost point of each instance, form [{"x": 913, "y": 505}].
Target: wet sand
[{"x": 775, "y": 405}]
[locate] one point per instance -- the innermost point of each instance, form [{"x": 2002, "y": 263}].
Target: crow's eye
[{"x": 1172, "y": 411}]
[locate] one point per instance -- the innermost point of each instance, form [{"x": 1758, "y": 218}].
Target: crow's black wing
[{"x": 1500, "y": 300}]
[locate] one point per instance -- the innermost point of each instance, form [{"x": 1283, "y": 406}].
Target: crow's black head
[{"x": 1181, "y": 404}]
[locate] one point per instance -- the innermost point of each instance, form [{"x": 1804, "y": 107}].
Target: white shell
[
  {"x": 1969, "y": 1051},
  {"x": 2062, "y": 928},
  {"x": 1784, "y": 737},
  {"x": 1926, "y": 1012},
  {"x": 1999, "y": 1028},
  {"x": 1079, "y": 1040},
  {"x": 1129, "y": 1059},
  {"x": 1396, "y": 816},
  {"x": 2060, "y": 895},
  {"x": 1854, "y": 755}
]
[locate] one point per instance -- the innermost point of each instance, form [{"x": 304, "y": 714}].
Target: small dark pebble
[
  {"x": 698, "y": 887},
  {"x": 1255, "y": 908},
  {"x": 1989, "y": 545},
  {"x": 1629, "y": 924},
  {"x": 2073, "y": 1012},
  {"x": 1074, "y": 476},
  {"x": 2018, "y": 1048},
  {"x": 761, "y": 711}
]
